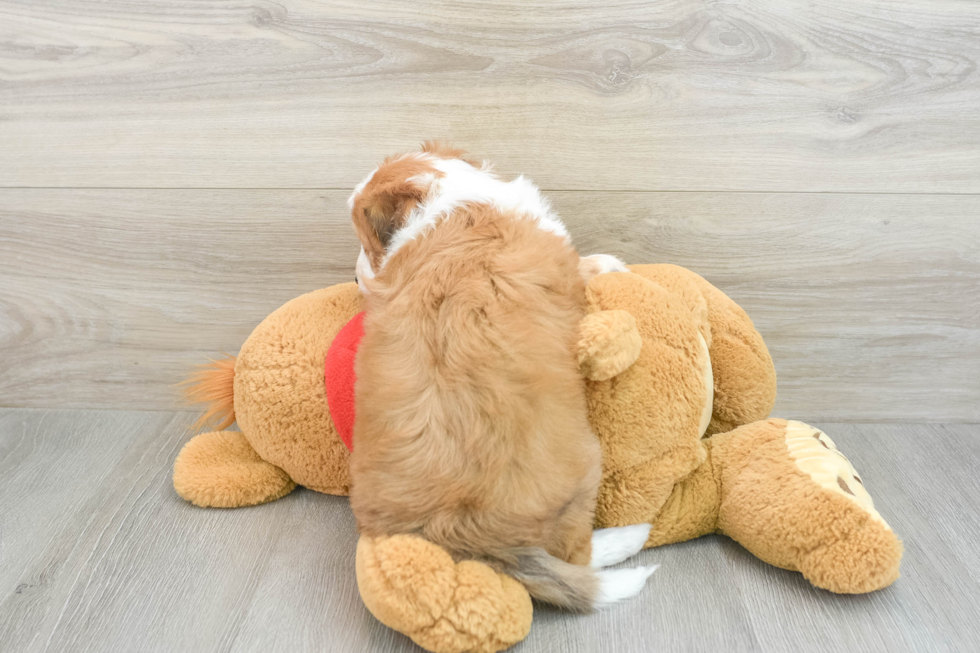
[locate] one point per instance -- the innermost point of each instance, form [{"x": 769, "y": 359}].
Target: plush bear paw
[
  {"x": 220, "y": 469},
  {"x": 414, "y": 587},
  {"x": 794, "y": 500},
  {"x": 864, "y": 557}
]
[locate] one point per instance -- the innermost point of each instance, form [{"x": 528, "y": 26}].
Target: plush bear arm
[{"x": 609, "y": 343}]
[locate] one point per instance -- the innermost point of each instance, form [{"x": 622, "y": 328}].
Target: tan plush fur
[
  {"x": 415, "y": 587},
  {"x": 647, "y": 417},
  {"x": 742, "y": 481},
  {"x": 784, "y": 517},
  {"x": 280, "y": 399},
  {"x": 281, "y": 407},
  {"x": 221, "y": 469},
  {"x": 471, "y": 425},
  {"x": 744, "y": 376},
  {"x": 609, "y": 342}
]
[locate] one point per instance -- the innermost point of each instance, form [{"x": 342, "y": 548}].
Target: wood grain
[
  {"x": 870, "y": 304},
  {"x": 118, "y": 296},
  {"x": 98, "y": 553},
  {"x": 801, "y": 95},
  {"x": 922, "y": 478}
]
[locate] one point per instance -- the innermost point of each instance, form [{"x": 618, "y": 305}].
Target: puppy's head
[{"x": 383, "y": 203}]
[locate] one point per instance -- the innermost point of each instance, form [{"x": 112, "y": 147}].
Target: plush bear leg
[
  {"x": 414, "y": 587},
  {"x": 692, "y": 508},
  {"x": 220, "y": 469},
  {"x": 792, "y": 499}
]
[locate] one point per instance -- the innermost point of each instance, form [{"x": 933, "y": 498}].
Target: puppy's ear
[{"x": 379, "y": 211}]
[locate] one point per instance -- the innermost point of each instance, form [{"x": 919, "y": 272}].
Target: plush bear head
[{"x": 668, "y": 359}]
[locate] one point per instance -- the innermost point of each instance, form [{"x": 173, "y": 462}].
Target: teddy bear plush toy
[{"x": 679, "y": 386}]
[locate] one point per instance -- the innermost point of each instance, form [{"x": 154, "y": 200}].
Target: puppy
[{"x": 471, "y": 427}]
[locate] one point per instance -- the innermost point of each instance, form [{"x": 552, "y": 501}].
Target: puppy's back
[{"x": 472, "y": 427}]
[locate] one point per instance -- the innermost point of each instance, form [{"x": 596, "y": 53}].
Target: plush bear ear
[{"x": 609, "y": 343}]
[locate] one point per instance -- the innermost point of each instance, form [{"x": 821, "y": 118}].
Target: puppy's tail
[
  {"x": 213, "y": 384},
  {"x": 574, "y": 587}
]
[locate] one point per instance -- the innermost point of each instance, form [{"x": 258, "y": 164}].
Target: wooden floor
[
  {"x": 171, "y": 171},
  {"x": 99, "y": 554}
]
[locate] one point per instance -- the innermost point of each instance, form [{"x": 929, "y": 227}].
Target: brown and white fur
[{"x": 471, "y": 427}]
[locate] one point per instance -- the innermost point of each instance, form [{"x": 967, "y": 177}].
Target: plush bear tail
[{"x": 213, "y": 384}]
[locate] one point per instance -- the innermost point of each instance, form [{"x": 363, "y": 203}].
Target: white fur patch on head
[
  {"x": 363, "y": 270},
  {"x": 360, "y": 189},
  {"x": 461, "y": 184}
]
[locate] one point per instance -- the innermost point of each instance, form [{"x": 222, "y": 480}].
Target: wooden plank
[
  {"x": 870, "y": 304},
  {"x": 694, "y": 582},
  {"x": 51, "y": 464},
  {"x": 307, "y": 597},
  {"x": 832, "y": 95},
  {"x": 923, "y": 480},
  {"x": 98, "y": 553},
  {"x": 121, "y": 294},
  {"x": 72, "y": 483}
]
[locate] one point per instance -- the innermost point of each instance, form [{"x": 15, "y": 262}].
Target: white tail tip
[
  {"x": 610, "y": 546},
  {"x": 618, "y": 584}
]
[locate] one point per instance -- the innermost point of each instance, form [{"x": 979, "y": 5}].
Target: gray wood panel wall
[{"x": 171, "y": 172}]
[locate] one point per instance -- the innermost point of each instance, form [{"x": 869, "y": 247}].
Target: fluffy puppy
[{"x": 471, "y": 426}]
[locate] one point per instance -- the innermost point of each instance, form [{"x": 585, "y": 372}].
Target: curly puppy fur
[{"x": 471, "y": 427}]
